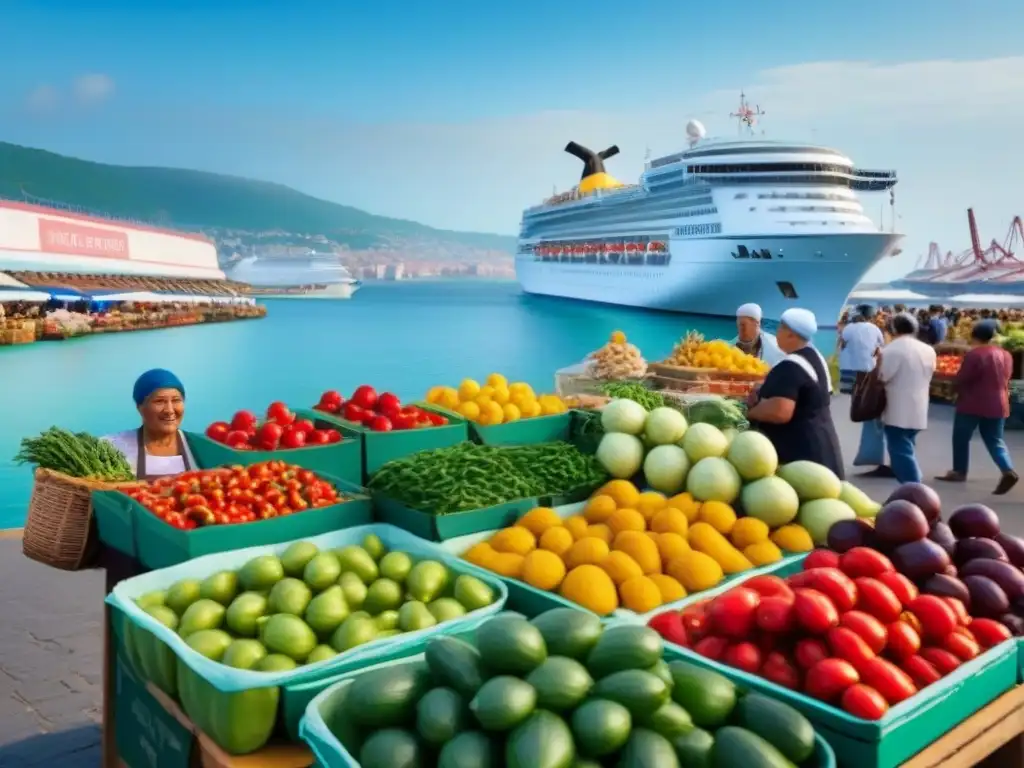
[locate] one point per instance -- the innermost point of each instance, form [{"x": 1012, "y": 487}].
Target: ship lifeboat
[{"x": 631, "y": 247}]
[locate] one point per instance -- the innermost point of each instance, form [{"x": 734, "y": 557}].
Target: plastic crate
[
  {"x": 443, "y": 527},
  {"x": 540, "y": 429}
]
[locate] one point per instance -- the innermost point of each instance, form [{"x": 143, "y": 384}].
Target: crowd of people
[{"x": 894, "y": 354}]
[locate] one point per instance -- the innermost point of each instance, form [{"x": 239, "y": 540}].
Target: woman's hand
[{"x": 754, "y": 396}]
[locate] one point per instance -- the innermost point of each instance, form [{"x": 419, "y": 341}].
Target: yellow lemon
[
  {"x": 483, "y": 400},
  {"x": 549, "y": 404},
  {"x": 449, "y": 398},
  {"x": 511, "y": 412},
  {"x": 468, "y": 389},
  {"x": 487, "y": 391},
  {"x": 495, "y": 414},
  {"x": 497, "y": 381},
  {"x": 500, "y": 395},
  {"x": 469, "y": 409},
  {"x": 623, "y": 492},
  {"x": 530, "y": 409},
  {"x": 434, "y": 395},
  {"x": 521, "y": 388}
]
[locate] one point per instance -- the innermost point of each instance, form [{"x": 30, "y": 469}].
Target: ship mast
[{"x": 746, "y": 115}]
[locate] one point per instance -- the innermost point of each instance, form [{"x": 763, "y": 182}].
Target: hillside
[{"x": 200, "y": 200}]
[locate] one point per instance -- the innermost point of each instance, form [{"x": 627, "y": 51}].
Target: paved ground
[{"x": 50, "y": 631}]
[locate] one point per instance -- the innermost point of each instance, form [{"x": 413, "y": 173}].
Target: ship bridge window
[{"x": 773, "y": 167}]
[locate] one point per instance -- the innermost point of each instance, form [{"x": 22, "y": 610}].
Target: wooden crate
[{"x": 678, "y": 372}]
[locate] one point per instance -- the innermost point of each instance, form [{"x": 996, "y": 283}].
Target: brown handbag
[{"x": 867, "y": 402}]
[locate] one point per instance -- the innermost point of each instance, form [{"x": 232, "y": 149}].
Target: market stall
[{"x": 493, "y": 577}]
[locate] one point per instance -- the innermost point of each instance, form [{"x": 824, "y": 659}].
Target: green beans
[
  {"x": 469, "y": 476},
  {"x": 636, "y": 392},
  {"x": 77, "y": 455}
]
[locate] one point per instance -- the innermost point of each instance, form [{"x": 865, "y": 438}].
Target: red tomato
[
  {"x": 237, "y": 439},
  {"x": 352, "y": 411},
  {"x": 268, "y": 436},
  {"x": 695, "y": 619},
  {"x": 388, "y": 403},
  {"x": 745, "y": 656},
  {"x": 921, "y": 671},
  {"x": 893, "y": 683},
  {"x": 243, "y": 420},
  {"x": 775, "y": 614},
  {"x": 936, "y": 617},
  {"x": 904, "y": 640},
  {"x": 365, "y": 397},
  {"x": 989, "y": 633},
  {"x": 670, "y": 626},
  {"x": 304, "y": 424},
  {"x": 332, "y": 399},
  {"x": 831, "y": 582},
  {"x": 712, "y": 647},
  {"x": 849, "y": 646},
  {"x": 333, "y": 435},
  {"x": 809, "y": 652},
  {"x": 780, "y": 670},
  {"x": 821, "y": 558},
  {"x": 402, "y": 421},
  {"x": 368, "y": 417},
  {"x": 814, "y": 611},
  {"x": 963, "y": 618},
  {"x": 963, "y": 647},
  {"x": 293, "y": 438},
  {"x": 436, "y": 419},
  {"x": 864, "y": 561},
  {"x": 380, "y": 424},
  {"x": 732, "y": 614},
  {"x": 864, "y": 702},
  {"x": 218, "y": 431},
  {"x": 900, "y": 585},
  {"x": 829, "y": 678},
  {"x": 877, "y": 599},
  {"x": 769, "y": 586},
  {"x": 870, "y": 629},
  {"x": 318, "y": 437},
  {"x": 278, "y": 411}
]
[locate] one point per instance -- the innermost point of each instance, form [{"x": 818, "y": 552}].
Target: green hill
[{"x": 197, "y": 200}]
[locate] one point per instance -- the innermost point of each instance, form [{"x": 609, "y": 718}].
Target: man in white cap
[
  {"x": 752, "y": 339},
  {"x": 792, "y": 406}
]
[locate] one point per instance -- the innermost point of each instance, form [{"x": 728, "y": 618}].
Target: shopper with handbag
[{"x": 906, "y": 370}]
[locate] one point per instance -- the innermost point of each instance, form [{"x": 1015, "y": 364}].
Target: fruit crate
[
  {"x": 333, "y": 739},
  {"x": 679, "y": 372},
  {"x": 530, "y": 600},
  {"x": 142, "y": 636},
  {"x": 343, "y": 460},
  {"x": 433, "y": 527},
  {"x": 125, "y": 525},
  {"x": 539, "y": 429},
  {"x": 906, "y": 728},
  {"x": 378, "y": 448}
]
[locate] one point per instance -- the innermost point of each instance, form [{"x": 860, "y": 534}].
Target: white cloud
[
  {"x": 92, "y": 89},
  {"x": 42, "y": 98}
]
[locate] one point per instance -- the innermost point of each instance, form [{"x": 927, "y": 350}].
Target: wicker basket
[{"x": 57, "y": 530}]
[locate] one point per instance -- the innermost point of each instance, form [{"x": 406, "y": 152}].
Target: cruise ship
[
  {"x": 315, "y": 276},
  {"x": 716, "y": 225}
]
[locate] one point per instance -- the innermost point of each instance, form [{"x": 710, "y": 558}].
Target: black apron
[
  {"x": 140, "y": 471},
  {"x": 811, "y": 434}
]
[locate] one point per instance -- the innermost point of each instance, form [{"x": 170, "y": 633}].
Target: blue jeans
[
  {"x": 991, "y": 434},
  {"x": 871, "y": 451},
  {"x": 901, "y": 453}
]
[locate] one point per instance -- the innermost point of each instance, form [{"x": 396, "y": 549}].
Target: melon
[
  {"x": 702, "y": 441},
  {"x": 859, "y": 501},
  {"x": 771, "y": 500},
  {"x": 811, "y": 481},
  {"x": 818, "y": 517},
  {"x": 753, "y": 455},
  {"x": 713, "y": 479}
]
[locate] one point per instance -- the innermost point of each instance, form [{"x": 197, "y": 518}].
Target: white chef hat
[
  {"x": 801, "y": 321},
  {"x": 753, "y": 311}
]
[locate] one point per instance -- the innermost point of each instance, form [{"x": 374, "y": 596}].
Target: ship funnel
[{"x": 593, "y": 162}]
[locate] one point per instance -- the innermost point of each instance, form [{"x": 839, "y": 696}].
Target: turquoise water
[{"x": 403, "y": 337}]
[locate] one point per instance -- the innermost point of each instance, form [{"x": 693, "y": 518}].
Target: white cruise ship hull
[
  {"x": 334, "y": 291},
  {"x": 703, "y": 277}
]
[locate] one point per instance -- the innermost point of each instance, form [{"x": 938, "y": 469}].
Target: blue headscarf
[{"x": 155, "y": 379}]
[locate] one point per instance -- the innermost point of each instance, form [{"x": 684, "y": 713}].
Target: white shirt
[
  {"x": 907, "y": 368},
  {"x": 860, "y": 340},
  {"x": 128, "y": 444}
]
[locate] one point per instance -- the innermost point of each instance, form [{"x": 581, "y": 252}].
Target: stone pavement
[{"x": 51, "y": 629}]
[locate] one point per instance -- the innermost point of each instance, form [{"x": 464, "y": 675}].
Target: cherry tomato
[
  {"x": 317, "y": 437},
  {"x": 864, "y": 702},
  {"x": 893, "y": 683},
  {"x": 243, "y": 421},
  {"x": 268, "y": 436},
  {"x": 352, "y": 411},
  {"x": 849, "y": 646},
  {"x": 904, "y": 641},
  {"x": 331, "y": 401},
  {"x": 864, "y": 561},
  {"x": 870, "y": 629},
  {"x": 780, "y": 670},
  {"x": 218, "y": 431},
  {"x": 769, "y": 586},
  {"x": 901, "y": 586},
  {"x": 921, "y": 671},
  {"x": 809, "y": 652},
  {"x": 365, "y": 397},
  {"x": 277, "y": 410},
  {"x": 293, "y": 438},
  {"x": 829, "y": 678},
  {"x": 821, "y": 558},
  {"x": 670, "y": 626},
  {"x": 814, "y": 611},
  {"x": 237, "y": 439},
  {"x": 989, "y": 633},
  {"x": 831, "y": 582},
  {"x": 333, "y": 435},
  {"x": 745, "y": 656},
  {"x": 436, "y": 419},
  {"x": 732, "y": 614},
  {"x": 963, "y": 647},
  {"x": 388, "y": 404},
  {"x": 380, "y": 424},
  {"x": 936, "y": 617},
  {"x": 695, "y": 620},
  {"x": 876, "y": 599},
  {"x": 712, "y": 647},
  {"x": 774, "y": 614},
  {"x": 400, "y": 421}
]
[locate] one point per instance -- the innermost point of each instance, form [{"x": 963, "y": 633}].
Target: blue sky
[{"x": 455, "y": 113}]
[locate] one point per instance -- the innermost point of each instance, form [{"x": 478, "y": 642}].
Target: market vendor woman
[
  {"x": 753, "y": 339},
  {"x": 791, "y": 408},
  {"x": 157, "y": 448}
]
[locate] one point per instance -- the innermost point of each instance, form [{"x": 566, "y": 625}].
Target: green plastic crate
[
  {"x": 907, "y": 728},
  {"x": 146, "y": 733},
  {"x": 381, "y": 447},
  {"x": 115, "y": 520},
  {"x": 343, "y": 460},
  {"x": 539, "y": 429},
  {"x": 443, "y": 527}
]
